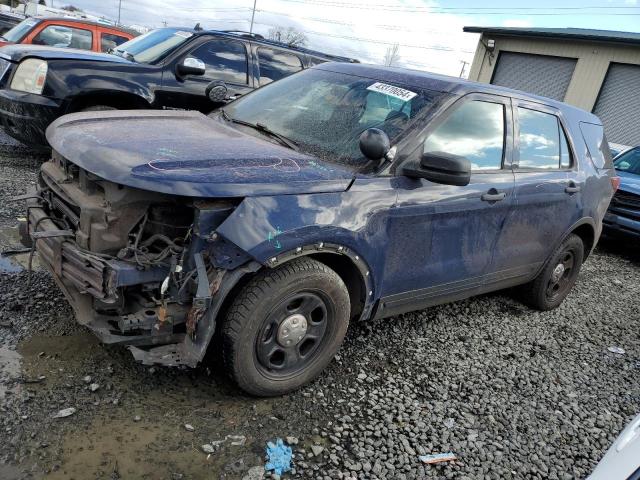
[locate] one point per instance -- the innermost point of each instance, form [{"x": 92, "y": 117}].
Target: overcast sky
[{"x": 429, "y": 33}]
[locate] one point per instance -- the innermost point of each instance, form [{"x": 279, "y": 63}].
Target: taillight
[{"x": 615, "y": 183}]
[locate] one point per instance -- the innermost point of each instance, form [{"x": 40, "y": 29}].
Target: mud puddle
[
  {"x": 10, "y": 371},
  {"x": 133, "y": 424}
]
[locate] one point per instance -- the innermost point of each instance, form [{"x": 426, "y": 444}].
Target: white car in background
[{"x": 622, "y": 460}]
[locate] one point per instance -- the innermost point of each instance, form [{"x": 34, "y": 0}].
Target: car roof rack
[{"x": 242, "y": 33}]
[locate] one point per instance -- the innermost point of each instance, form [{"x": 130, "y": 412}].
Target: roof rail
[{"x": 244, "y": 34}]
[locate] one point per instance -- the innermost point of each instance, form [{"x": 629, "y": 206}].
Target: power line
[
  {"x": 461, "y": 11},
  {"x": 337, "y": 22},
  {"x": 379, "y": 42}
]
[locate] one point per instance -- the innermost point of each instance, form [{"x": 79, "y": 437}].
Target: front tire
[
  {"x": 553, "y": 284},
  {"x": 284, "y": 327}
]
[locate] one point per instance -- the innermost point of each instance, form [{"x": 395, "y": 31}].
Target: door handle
[
  {"x": 572, "y": 188},
  {"x": 493, "y": 196}
]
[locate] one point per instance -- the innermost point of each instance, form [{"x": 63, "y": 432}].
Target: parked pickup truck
[
  {"x": 166, "y": 68},
  {"x": 342, "y": 193}
]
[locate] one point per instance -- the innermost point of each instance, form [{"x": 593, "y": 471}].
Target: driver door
[
  {"x": 443, "y": 237},
  {"x": 225, "y": 60}
]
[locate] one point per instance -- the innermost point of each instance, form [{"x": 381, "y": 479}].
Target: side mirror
[
  {"x": 441, "y": 167},
  {"x": 217, "y": 92},
  {"x": 374, "y": 143},
  {"x": 191, "y": 66}
]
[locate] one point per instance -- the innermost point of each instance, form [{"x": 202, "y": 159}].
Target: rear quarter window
[{"x": 597, "y": 144}]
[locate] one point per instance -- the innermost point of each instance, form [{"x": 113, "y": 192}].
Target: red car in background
[{"x": 67, "y": 32}]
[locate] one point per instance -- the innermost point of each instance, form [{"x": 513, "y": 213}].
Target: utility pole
[
  {"x": 119, "y": 10},
  {"x": 253, "y": 14},
  {"x": 464, "y": 64}
]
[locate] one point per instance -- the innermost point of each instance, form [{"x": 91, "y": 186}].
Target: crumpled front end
[{"x": 140, "y": 268}]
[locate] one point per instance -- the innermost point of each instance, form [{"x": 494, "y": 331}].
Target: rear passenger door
[
  {"x": 548, "y": 188},
  {"x": 274, "y": 64},
  {"x": 225, "y": 60}
]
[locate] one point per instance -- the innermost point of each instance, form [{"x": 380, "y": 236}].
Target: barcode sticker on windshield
[
  {"x": 392, "y": 91},
  {"x": 183, "y": 34}
]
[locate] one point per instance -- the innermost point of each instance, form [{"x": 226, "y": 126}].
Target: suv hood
[
  {"x": 16, "y": 52},
  {"x": 188, "y": 154}
]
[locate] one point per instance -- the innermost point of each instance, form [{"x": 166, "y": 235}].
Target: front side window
[
  {"x": 109, "y": 41},
  {"x": 543, "y": 143},
  {"x": 62, "y": 36},
  {"x": 275, "y": 64},
  {"x": 474, "y": 130},
  {"x": 224, "y": 59},
  {"x": 629, "y": 162},
  {"x": 325, "y": 112}
]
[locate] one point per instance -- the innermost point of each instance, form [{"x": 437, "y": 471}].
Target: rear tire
[
  {"x": 553, "y": 284},
  {"x": 284, "y": 327}
]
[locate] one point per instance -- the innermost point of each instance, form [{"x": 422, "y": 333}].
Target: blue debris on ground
[{"x": 278, "y": 457}]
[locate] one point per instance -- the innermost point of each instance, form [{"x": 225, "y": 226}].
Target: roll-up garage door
[
  {"x": 618, "y": 104},
  {"x": 538, "y": 74}
]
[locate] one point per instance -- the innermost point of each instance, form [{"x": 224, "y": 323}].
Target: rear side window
[
  {"x": 597, "y": 144},
  {"x": 542, "y": 141},
  {"x": 62, "y": 36},
  {"x": 275, "y": 64},
  {"x": 109, "y": 41},
  {"x": 475, "y": 130},
  {"x": 316, "y": 61}
]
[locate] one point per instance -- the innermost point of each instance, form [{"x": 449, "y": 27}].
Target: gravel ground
[{"x": 514, "y": 393}]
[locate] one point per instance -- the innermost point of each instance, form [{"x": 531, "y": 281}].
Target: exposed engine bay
[{"x": 139, "y": 268}]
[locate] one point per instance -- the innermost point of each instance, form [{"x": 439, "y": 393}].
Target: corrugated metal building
[{"x": 597, "y": 70}]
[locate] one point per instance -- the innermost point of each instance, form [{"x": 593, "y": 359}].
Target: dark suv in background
[{"x": 166, "y": 68}]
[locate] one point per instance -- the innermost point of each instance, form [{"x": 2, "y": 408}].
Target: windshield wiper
[{"x": 287, "y": 142}]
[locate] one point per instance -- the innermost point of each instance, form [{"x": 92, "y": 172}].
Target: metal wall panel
[
  {"x": 538, "y": 74},
  {"x": 618, "y": 104}
]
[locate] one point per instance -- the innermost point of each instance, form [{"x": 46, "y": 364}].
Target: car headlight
[{"x": 30, "y": 76}]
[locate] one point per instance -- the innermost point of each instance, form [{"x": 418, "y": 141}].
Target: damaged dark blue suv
[{"x": 344, "y": 192}]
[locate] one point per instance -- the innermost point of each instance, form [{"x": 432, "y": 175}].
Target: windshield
[
  {"x": 17, "y": 33},
  {"x": 629, "y": 162},
  {"x": 324, "y": 112},
  {"x": 153, "y": 46}
]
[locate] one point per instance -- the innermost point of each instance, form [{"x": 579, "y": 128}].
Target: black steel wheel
[
  {"x": 284, "y": 327},
  {"x": 560, "y": 282},
  {"x": 557, "y": 278},
  {"x": 292, "y": 333}
]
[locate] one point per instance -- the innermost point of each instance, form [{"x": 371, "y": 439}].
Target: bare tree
[
  {"x": 290, "y": 36},
  {"x": 71, "y": 8},
  {"x": 392, "y": 56}
]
